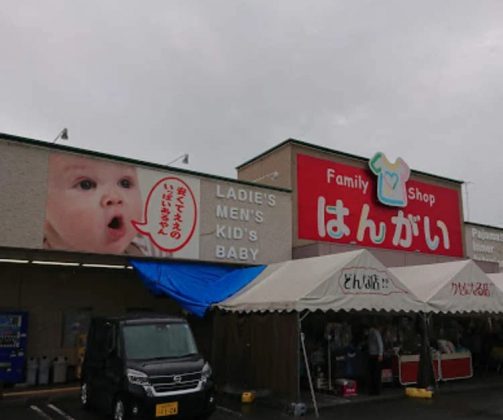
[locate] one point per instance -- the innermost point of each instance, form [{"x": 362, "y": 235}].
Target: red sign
[
  {"x": 338, "y": 203},
  {"x": 471, "y": 289}
]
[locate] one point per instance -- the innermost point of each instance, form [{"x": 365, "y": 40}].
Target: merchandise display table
[
  {"x": 456, "y": 366},
  {"x": 405, "y": 367},
  {"x": 446, "y": 367}
]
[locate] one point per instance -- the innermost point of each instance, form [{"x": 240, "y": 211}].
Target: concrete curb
[
  {"x": 444, "y": 389},
  {"x": 20, "y": 397}
]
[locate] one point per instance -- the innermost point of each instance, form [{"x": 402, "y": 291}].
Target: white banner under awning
[{"x": 497, "y": 278}]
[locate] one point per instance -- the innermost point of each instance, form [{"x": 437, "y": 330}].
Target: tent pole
[
  {"x": 425, "y": 374},
  {"x": 308, "y": 369},
  {"x": 329, "y": 358},
  {"x": 436, "y": 379},
  {"x": 298, "y": 357},
  {"x": 303, "y": 317}
]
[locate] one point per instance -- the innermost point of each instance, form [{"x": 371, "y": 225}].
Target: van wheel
[
  {"x": 84, "y": 396},
  {"x": 120, "y": 412}
]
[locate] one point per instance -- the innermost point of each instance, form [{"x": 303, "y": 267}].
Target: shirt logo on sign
[{"x": 391, "y": 180}]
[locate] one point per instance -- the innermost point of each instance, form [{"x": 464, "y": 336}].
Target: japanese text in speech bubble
[{"x": 170, "y": 215}]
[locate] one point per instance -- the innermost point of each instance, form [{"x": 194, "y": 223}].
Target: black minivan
[{"x": 145, "y": 367}]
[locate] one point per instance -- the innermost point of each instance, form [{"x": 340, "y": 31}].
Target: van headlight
[
  {"x": 136, "y": 377},
  {"x": 206, "y": 373}
]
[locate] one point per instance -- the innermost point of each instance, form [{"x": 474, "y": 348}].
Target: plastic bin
[
  {"x": 297, "y": 409},
  {"x": 31, "y": 371},
  {"x": 346, "y": 387},
  {"x": 59, "y": 370},
  {"x": 43, "y": 370}
]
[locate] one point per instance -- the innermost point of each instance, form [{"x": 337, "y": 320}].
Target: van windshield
[{"x": 159, "y": 340}]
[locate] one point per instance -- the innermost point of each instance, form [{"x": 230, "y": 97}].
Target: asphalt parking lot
[{"x": 471, "y": 399}]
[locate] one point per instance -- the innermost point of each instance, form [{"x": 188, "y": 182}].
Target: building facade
[
  {"x": 340, "y": 204},
  {"x": 71, "y": 219}
]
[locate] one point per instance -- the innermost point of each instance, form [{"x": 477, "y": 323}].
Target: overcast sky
[{"x": 225, "y": 80}]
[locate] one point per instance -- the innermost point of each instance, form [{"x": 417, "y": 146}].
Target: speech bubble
[{"x": 170, "y": 215}]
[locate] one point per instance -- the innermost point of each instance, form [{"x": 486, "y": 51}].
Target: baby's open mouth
[
  {"x": 116, "y": 223},
  {"x": 116, "y": 228}
]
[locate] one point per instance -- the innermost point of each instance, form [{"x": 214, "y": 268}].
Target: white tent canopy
[
  {"x": 348, "y": 281},
  {"x": 497, "y": 278},
  {"x": 452, "y": 287}
]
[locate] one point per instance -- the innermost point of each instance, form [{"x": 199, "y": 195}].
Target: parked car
[{"x": 137, "y": 367}]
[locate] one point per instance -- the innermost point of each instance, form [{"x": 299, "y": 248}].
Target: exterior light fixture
[
  {"x": 63, "y": 135},
  {"x": 184, "y": 158},
  {"x": 272, "y": 175},
  {"x": 112, "y": 266},
  {"x": 60, "y": 263}
]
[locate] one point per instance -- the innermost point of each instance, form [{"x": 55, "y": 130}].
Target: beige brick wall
[{"x": 23, "y": 186}]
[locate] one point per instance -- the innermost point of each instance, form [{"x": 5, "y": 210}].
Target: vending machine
[{"x": 13, "y": 328}]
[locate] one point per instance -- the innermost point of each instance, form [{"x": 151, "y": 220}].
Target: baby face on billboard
[{"x": 90, "y": 205}]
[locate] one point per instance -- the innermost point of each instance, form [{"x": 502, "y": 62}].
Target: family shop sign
[{"x": 339, "y": 203}]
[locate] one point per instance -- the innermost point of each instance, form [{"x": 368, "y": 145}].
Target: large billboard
[
  {"x": 100, "y": 206},
  {"x": 376, "y": 207},
  {"x": 74, "y": 202}
]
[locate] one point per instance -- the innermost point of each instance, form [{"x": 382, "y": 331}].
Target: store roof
[
  {"x": 303, "y": 144},
  {"x": 483, "y": 225},
  {"x": 59, "y": 147},
  {"x": 497, "y": 278}
]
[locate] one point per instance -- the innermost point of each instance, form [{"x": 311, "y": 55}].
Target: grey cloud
[{"x": 226, "y": 79}]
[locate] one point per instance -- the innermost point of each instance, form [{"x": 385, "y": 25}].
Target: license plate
[{"x": 166, "y": 409}]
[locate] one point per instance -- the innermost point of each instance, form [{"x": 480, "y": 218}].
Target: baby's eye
[
  {"x": 125, "y": 183},
  {"x": 87, "y": 184}
]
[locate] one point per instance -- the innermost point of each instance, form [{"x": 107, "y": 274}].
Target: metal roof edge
[
  {"x": 483, "y": 225},
  {"x": 53, "y": 146},
  {"x": 336, "y": 152}
]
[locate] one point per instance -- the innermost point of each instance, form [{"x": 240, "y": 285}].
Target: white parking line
[
  {"x": 60, "y": 412},
  {"x": 40, "y": 412},
  {"x": 228, "y": 410}
]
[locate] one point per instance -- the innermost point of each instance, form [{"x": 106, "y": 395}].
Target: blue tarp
[{"x": 194, "y": 286}]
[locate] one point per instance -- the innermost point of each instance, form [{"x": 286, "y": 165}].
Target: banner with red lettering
[
  {"x": 99, "y": 206},
  {"x": 338, "y": 203},
  {"x": 452, "y": 287}
]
